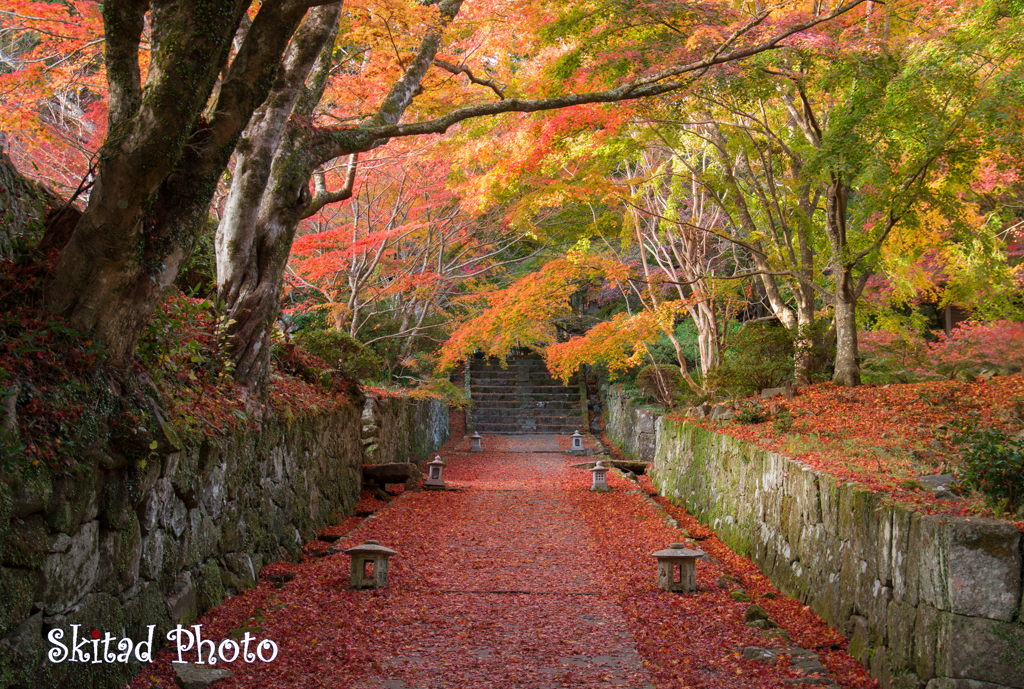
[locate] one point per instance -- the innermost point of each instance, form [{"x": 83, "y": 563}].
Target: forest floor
[
  {"x": 519, "y": 576},
  {"x": 887, "y": 437}
]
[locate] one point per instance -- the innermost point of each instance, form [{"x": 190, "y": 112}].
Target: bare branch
[
  {"x": 324, "y": 197},
  {"x": 473, "y": 79}
]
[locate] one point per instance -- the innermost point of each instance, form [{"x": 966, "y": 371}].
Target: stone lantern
[
  {"x": 370, "y": 565},
  {"x": 600, "y": 482},
  {"x": 677, "y": 568},
  {"x": 435, "y": 472},
  {"x": 476, "y": 446},
  {"x": 577, "y": 443}
]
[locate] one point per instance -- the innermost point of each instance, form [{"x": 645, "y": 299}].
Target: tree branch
[
  {"x": 324, "y": 197},
  {"x": 337, "y": 141},
  {"x": 122, "y": 25},
  {"x": 473, "y": 79}
]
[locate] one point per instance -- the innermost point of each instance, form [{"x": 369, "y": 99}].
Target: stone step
[
  {"x": 528, "y": 390},
  {"x": 531, "y": 404},
  {"x": 533, "y": 382},
  {"x": 524, "y": 411},
  {"x": 523, "y": 397},
  {"x": 525, "y": 427},
  {"x": 521, "y": 365},
  {"x": 499, "y": 415},
  {"x": 515, "y": 429},
  {"x": 512, "y": 372}
]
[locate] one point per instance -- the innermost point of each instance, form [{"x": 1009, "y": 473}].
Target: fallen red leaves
[
  {"x": 521, "y": 577},
  {"x": 885, "y": 437}
]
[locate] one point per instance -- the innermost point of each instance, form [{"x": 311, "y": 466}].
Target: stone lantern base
[
  {"x": 679, "y": 577},
  {"x": 677, "y": 568}
]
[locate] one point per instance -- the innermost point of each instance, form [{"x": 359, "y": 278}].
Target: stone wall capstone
[
  {"x": 928, "y": 602},
  {"x": 120, "y": 549}
]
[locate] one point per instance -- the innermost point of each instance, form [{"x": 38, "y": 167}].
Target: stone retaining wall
[
  {"x": 116, "y": 550},
  {"x": 927, "y": 601},
  {"x": 629, "y": 426}
]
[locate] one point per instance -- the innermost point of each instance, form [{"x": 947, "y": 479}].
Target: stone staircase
[{"x": 522, "y": 398}]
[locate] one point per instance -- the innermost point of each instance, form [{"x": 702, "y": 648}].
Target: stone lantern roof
[
  {"x": 677, "y": 551},
  {"x": 371, "y": 547}
]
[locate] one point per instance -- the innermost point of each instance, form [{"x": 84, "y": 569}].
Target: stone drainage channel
[{"x": 497, "y": 583}]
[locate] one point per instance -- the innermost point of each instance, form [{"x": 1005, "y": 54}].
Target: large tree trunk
[
  {"x": 269, "y": 191},
  {"x": 159, "y": 166}
]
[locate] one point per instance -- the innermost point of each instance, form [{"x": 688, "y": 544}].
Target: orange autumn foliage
[{"x": 526, "y": 312}]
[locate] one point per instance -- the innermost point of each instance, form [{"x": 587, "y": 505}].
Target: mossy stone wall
[
  {"x": 117, "y": 550},
  {"x": 927, "y": 601},
  {"x": 628, "y": 425}
]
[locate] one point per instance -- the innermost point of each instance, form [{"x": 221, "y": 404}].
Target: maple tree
[
  {"x": 169, "y": 143},
  {"x": 819, "y": 163},
  {"x": 52, "y": 88},
  {"x": 527, "y": 312},
  {"x": 272, "y": 174},
  {"x": 820, "y": 177},
  {"x": 671, "y": 214},
  {"x": 402, "y": 249}
]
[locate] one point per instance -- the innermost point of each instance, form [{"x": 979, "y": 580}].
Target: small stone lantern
[
  {"x": 600, "y": 482},
  {"x": 370, "y": 565},
  {"x": 677, "y": 568},
  {"x": 435, "y": 472},
  {"x": 577, "y": 443},
  {"x": 476, "y": 446}
]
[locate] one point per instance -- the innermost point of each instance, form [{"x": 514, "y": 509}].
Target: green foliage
[
  {"x": 783, "y": 421},
  {"x": 761, "y": 357},
  {"x": 686, "y": 334},
  {"x": 993, "y": 463},
  {"x": 664, "y": 383},
  {"x": 198, "y": 274},
  {"x": 349, "y": 358},
  {"x": 751, "y": 413}
]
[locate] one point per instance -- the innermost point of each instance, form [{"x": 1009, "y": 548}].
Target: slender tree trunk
[
  {"x": 847, "y": 361},
  {"x": 847, "y": 371}
]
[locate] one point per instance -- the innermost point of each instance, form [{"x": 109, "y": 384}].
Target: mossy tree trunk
[
  {"x": 159, "y": 166},
  {"x": 270, "y": 193}
]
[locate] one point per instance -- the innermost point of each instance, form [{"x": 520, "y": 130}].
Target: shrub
[
  {"x": 890, "y": 356},
  {"x": 999, "y": 344},
  {"x": 663, "y": 383},
  {"x": 783, "y": 421},
  {"x": 760, "y": 357},
  {"x": 346, "y": 355},
  {"x": 751, "y": 413},
  {"x": 993, "y": 463}
]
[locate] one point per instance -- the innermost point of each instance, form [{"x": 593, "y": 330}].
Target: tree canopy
[{"x": 437, "y": 178}]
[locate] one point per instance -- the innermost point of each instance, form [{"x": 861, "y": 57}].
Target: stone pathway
[
  {"x": 517, "y": 576},
  {"x": 518, "y": 558}
]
